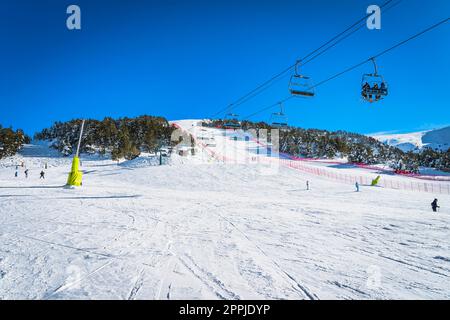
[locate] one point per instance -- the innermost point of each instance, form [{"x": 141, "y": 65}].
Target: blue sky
[{"x": 188, "y": 59}]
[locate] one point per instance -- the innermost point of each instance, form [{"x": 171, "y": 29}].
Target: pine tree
[{"x": 11, "y": 141}]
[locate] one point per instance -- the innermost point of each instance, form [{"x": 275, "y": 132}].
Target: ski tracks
[
  {"x": 137, "y": 285},
  {"x": 211, "y": 281},
  {"x": 166, "y": 281},
  {"x": 298, "y": 287},
  {"x": 66, "y": 286},
  {"x": 207, "y": 278}
]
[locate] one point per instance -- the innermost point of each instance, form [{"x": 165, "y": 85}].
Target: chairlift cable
[
  {"x": 382, "y": 52},
  {"x": 263, "y": 85},
  {"x": 349, "y": 34},
  {"x": 358, "y": 64}
]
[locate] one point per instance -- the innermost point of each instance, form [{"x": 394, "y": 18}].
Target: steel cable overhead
[
  {"x": 263, "y": 86},
  {"x": 357, "y": 65},
  {"x": 346, "y": 36}
]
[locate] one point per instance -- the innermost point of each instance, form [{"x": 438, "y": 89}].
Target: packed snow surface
[
  {"x": 198, "y": 228},
  {"x": 438, "y": 139}
]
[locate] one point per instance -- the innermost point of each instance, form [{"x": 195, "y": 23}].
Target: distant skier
[
  {"x": 42, "y": 175},
  {"x": 307, "y": 184},
  {"x": 357, "y": 186},
  {"x": 26, "y": 173},
  {"x": 434, "y": 205},
  {"x": 16, "y": 174}
]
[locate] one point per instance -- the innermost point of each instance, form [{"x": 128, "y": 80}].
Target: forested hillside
[
  {"x": 123, "y": 138},
  {"x": 357, "y": 148}
]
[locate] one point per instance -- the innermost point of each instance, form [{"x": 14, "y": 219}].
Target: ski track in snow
[{"x": 200, "y": 229}]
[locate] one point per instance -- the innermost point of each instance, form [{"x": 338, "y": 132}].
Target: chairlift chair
[
  {"x": 231, "y": 121},
  {"x": 211, "y": 142},
  {"x": 279, "y": 119},
  {"x": 373, "y": 86},
  {"x": 299, "y": 84}
]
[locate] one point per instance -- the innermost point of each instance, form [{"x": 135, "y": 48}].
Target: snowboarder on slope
[
  {"x": 357, "y": 186},
  {"x": 42, "y": 175},
  {"x": 434, "y": 205}
]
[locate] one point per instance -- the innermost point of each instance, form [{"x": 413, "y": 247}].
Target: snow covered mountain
[{"x": 438, "y": 139}]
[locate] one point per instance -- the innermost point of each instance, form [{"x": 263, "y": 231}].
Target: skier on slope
[
  {"x": 357, "y": 186},
  {"x": 26, "y": 173},
  {"x": 307, "y": 184},
  {"x": 16, "y": 174},
  {"x": 434, "y": 205},
  {"x": 42, "y": 175}
]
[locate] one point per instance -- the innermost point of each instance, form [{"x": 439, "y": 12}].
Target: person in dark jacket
[
  {"x": 434, "y": 205},
  {"x": 383, "y": 88},
  {"x": 42, "y": 175},
  {"x": 377, "y": 90},
  {"x": 365, "y": 89}
]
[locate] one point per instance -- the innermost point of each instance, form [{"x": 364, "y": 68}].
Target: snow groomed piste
[
  {"x": 227, "y": 216},
  {"x": 333, "y": 170}
]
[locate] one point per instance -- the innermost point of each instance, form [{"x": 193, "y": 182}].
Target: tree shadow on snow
[
  {"x": 34, "y": 187},
  {"x": 98, "y": 197}
]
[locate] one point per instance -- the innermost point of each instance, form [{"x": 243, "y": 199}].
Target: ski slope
[
  {"x": 438, "y": 139},
  {"x": 208, "y": 228}
]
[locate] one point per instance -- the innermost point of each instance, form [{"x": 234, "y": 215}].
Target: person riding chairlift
[
  {"x": 383, "y": 88},
  {"x": 365, "y": 88},
  {"x": 377, "y": 90}
]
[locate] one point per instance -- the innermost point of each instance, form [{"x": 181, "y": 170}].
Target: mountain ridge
[{"x": 436, "y": 139}]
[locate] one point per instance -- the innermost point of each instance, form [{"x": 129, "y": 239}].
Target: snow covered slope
[
  {"x": 438, "y": 139},
  {"x": 203, "y": 229}
]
